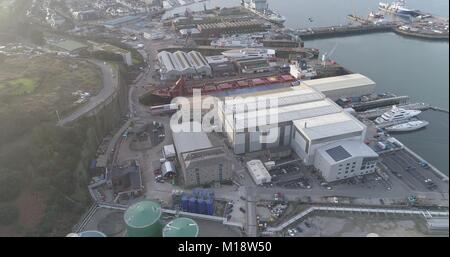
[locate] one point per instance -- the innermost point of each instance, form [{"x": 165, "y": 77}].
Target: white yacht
[
  {"x": 396, "y": 114},
  {"x": 408, "y": 126}
]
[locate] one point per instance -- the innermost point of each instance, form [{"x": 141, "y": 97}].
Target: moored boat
[
  {"x": 396, "y": 114},
  {"x": 408, "y": 126}
]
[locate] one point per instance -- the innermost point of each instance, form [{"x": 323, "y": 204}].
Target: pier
[
  {"x": 344, "y": 30},
  {"x": 395, "y": 100},
  {"x": 439, "y": 109},
  {"x": 360, "y": 25}
]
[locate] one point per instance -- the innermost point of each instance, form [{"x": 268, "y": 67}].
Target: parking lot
[
  {"x": 412, "y": 173},
  {"x": 297, "y": 176}
]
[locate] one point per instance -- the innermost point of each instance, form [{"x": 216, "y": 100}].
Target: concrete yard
[{"x": 361, "y": 226}]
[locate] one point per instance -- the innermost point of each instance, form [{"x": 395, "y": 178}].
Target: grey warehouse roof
[
  {"x": 190, "y": 141},
  {"x": 328, "y": 125},
  {"x": 183, "y": 63},
  {"x": 282, "y": 96},
  {"x": 338, "y": 82},
  {"x": 283, "y": 114}
]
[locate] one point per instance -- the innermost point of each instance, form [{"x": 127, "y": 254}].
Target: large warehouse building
[
  {"x": 312, "y": 133},
  {"x": 201, "y": 163},
  {"x": 245, "y": 128},
  {"x": 303, "y": 119},
  {"x": 352, "y": 85},
  {"x": 173, "y": 65}
]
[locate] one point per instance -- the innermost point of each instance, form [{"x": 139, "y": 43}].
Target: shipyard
[{"x": 297, "y": 143}]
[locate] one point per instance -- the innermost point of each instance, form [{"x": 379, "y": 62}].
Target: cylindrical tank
[
  {"x": 185, "y": 203},
  {"x": 210, "y": 207},
  {"x": 196, "y": 192},
  {"x": 181, "y": 227},
  {"x": 91, "y": 233},
  {"x": 88, "y": 233},
  {"x": 193, "y": 205},
  {"x": 201, "y": 206},
  {"x": 143, "y": 219}
]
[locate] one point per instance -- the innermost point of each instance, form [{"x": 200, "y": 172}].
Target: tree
[
  {"x": 9, "y": 214},
  {"x": 37, "y": 37},
  {"x": 10, "y": 185}
]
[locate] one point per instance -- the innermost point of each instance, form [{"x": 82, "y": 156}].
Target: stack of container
[{"x": 201, "y": 201}]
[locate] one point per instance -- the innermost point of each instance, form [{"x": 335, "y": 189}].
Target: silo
[
  {"x": 193, "y": 205},
  {"x": 181, "y": 227},
  {"x": 91, "y": 233},
  {"x": 201, "y": 204},
  {"x": 185, "y": 203},
  {"x": 210, "y": 206},
  {"x": 143, "y": 219},
  {"x": 88, "y": 233}
]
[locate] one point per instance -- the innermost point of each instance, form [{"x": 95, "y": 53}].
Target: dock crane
[{"x": 326, "y": 56}]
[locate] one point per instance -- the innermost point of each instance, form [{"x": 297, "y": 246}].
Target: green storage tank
[
  {"x": 92, "y": 233},
  {"x": 181, "y": 227},
  {"x": 143, "y": 219}
]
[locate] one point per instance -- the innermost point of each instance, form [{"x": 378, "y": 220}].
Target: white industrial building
[
  {"x": 345, "y": 159},
  {"x": 180, "y": 63},
  {"x": 312, "y": 133},
  {"x": 303, "y": 119},
  {"x": 246, "y": 129},
  {"x": 352, "y": 85},
  {"x": 258, "y": 172}
]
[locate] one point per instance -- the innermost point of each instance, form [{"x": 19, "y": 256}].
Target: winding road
[{"x": 110, "y": 80}]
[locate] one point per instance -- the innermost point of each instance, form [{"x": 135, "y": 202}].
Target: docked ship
[
  {"x": 391, "y": 8},
  {"x": 408, "y": 126},
  {"x": 261, "y": 8},
  {"x": 376, "y": 15},
  {"x": 396, "y": 114},
  {"x": 301, "y": 70},
  {"x": 398, "y": 8},
  {"x": 236, "y": 42},
  {"x": 246, "y": 53},
  {"x": 185, "y": 88}
]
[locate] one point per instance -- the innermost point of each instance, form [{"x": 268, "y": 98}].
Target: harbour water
[{"x": 397, "y": 64}]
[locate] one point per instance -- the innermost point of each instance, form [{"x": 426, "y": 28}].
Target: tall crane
[{"x": 326, "y": 56}]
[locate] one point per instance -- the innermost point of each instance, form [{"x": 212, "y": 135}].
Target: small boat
[{"x": 408, "y": 126}]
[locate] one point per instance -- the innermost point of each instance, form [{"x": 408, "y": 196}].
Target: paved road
[{"x": 110, "y": 85}]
